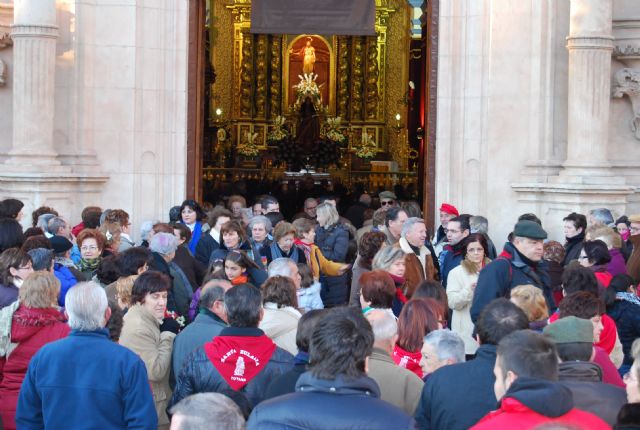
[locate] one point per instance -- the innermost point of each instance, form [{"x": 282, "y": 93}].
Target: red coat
[
  {"x": 31, "y": 329},
  {"x": 515, "y": 415}
]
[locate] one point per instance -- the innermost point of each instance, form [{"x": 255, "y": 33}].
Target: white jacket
[
  {"x": 281, "y": 325},
  {"x": 460, "y": 295},
  {"x": 309, "y": 298}
]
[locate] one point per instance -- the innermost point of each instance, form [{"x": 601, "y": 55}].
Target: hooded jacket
[
  {"x": 281, "y": 325},
  {"x": 530, "y": 402},
  {"x": 590, "y": 394},
  {"x": 309, "y": 298},
  {"x": 335, "y": 404},
  {"x": 508, "y": 271}
]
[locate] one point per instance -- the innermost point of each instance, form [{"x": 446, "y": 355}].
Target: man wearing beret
[
  {"x": 447, "y": 213},
  {"x": 574, "y": 341},
  {"x": 519, "y": 264}
]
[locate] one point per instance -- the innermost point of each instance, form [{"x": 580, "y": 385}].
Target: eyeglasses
[
  {"x": 89, "y": 248},
  {"x": 583, "y": 257},
  {"x": 386, "y": 203}
]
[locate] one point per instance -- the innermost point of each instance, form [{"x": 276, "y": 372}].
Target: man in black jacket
[
  {"x": 574, "y": 340},
  {"x": 241, "y": 359},
  {"x": 455, "y": 397},
  {"x": 519, "y": 264},
  {"x": 336, "y": 393}
]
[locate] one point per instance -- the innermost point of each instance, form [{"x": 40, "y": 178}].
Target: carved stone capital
[
  {"x": 5, "y": 40},
  {"x": 627, "y": 82}
]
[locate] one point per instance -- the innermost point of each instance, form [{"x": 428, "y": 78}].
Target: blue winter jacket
[
  {"x": 66, "y": 278},
  {"x": 86, "y": 381}
]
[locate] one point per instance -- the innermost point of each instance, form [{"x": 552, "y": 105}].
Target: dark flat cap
[
  {"x": 570, "y": 330},
  {"x": 60, "y": 244},
  {"x": 529, "y": 229}
]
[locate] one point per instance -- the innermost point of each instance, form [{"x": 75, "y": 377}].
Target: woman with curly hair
[
  {"x": 280, "y": 320},
  {"x": 91, "y": 243},
  {"x": 368, "y": 245}
]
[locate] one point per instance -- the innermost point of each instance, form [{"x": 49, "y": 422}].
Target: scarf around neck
[
  {"x": 305, "y": 247},
  {"x": 408, "y": 360},
  {"x": 89, "y": 265},
  {"x": 399, "y": 281},
  {"x": 276, "y": 252},
  {"x": 239, "y": 359},
  {"x": 628, "y": 297}
]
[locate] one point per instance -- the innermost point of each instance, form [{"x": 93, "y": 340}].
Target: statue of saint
[
  {"x": 308, "y": 56},
  {"x": 308, "y": 127}
]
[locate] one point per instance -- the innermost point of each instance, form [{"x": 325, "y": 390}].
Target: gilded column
[
  {"x": 34, "y": 34},
  {"x": 246, "y": 76},
  {"x": 590, "y": 44},
  {"x": 343, "y": 78},
  {"x": 357, "y": 79},
  {"x": 275, "y": 85},
  {"x": 261, "y": 76},
  {"x": 372, "y": 98}
]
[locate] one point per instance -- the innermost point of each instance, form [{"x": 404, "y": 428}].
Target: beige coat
[
  {"x": 281, "y": 325},
  {"x": 141, "y": 334},
  {"x": 398, "y": 386},
  {"x": 460, "y": 295}
]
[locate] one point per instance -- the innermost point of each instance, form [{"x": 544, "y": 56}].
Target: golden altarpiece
[{"x": 355, "y": 86}]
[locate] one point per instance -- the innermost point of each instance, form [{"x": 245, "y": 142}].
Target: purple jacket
[{"x": 617, "y": 265}]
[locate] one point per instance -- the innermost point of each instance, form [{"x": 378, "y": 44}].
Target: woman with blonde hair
[
  {"x": 36, "y": 322},
  {"x": 530, "y": 299}
]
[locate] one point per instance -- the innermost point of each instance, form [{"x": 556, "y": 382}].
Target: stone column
[
  {"x": 590, "y": 44},
  {"x": 34, "y": 34}
]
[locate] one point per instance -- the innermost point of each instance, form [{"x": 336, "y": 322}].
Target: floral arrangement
[
  {"x": 333, "y": 132},
  {"x": 279, "y": 132},
  {"x": 249, "y": 148},
  {"x": 367, "y": 149},
  {"x": 307, "y": 87},
  {"x": 174, "y": 316}
]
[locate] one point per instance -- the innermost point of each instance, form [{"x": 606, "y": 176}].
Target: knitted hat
[
  {"x": 529, "y": 229},
  {"x": 450, "y": 209},
  {"x": 387, "y": 195},
  {"x": 570, "y": 330},
  {"x": 60, "y": 244}
]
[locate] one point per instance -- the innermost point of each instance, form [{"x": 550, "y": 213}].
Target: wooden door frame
[{"x": 430, "y": 37}]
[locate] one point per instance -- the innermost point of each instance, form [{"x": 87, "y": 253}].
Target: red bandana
[
  {"x": 408, "y": 360},
  {"x": 239, "y": 358}
]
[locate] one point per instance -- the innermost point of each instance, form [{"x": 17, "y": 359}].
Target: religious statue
[
  {"x": 308, "y": 127},
  {"x": 308, "y": 56}
]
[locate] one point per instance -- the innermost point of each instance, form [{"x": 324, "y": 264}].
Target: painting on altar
[{"x": 309, "y": 54}]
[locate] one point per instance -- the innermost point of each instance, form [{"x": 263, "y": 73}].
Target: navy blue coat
[
  {"x": 330, "y": 404},
  {"x": 452, "y": 257},
  {"x": 627, "y": 318},
  {"x": 457, "y": 396},
  {"x": 334, "y": 243},
  {"x": 86, "y": 381},
  {"x": 505, "y": 273}
]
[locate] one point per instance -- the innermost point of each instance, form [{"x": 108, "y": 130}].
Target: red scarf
[
  {"x": 408, "y": 360},
  {"x": 239, "y": 358},
  {"x": 242, "y": 279},
  {"x": 305, "y": 247},
  {"x": 399, "y": 281}
]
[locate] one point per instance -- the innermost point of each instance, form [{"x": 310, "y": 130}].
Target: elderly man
[
  {"x": 308, "y": 209},
  {"x": 388, "y": 200},
  {"x": 393, "y": 222},
  {"x": 60, "y": 389},
  {"x": 398, "y": 386},
  {"x": 285, "y": 267},
  {"x": 419, "y": 264},
  {"x": 57, "y": 226},
  {"x": 336, "y": 390},
  {"x": 200, "y": 411},
  {"x": 209, "y": 322},
  {"x": 240, "y": 359},
  {"x": 451, "y": 256},
  {"x": 519, "y": 264},
  {"x": 441, "y": 348}
]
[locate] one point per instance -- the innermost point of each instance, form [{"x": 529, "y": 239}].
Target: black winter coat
[
  {"x": 572, "y": 248},
  {"x": 286, "y": 383},
  {"x": 204, "y": 249},
  {"x": 506, "y": 272},
  {"x": 457, "y": 396},
  {"x": 330, "y": 404},
  {"x": 198, "y": 375},
  {"x": 627, "y": 318},
  {"x": 334, "y": 244}
]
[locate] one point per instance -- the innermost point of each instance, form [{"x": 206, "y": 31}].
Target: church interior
[{"x": 347, "y": 110}]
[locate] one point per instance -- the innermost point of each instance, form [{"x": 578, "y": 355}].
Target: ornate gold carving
[
  {"x": 357, "y": 79},
  {"x": 222, "y": 55},
  {"x": 275, "y": 87},
  {"x": 343, "y": 78},
  {"x": 371, "y": 100},
  {"x": 246, "y": 76},
  {"x": 261, "y": 75}
]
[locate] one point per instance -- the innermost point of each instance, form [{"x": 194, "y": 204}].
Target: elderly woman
[
  {"x": 530, "y": 299},
  {"x": 461, "y": 284},
  {"x": 191, "y": 215},
  {"x": 280, "y": 321},
  {"x": 333, "y": 240},
  {"x": 259, "y": 229},
  {"x": 377, "y": 291},
  {"x": 595, "y": 255},
  {"x": 142, "y": 334},
  {"x": 163, "y": 250},
  {"x": 283, "y": 246},
  {"x": 15, "y": 266},
  {"x": 368, "y": 245},
  {"x": 36, "y": 322},
  {"x": 236, "y": 204},
  {"x": 391, "y": 260},
  {"x": 91, "y": 243}
]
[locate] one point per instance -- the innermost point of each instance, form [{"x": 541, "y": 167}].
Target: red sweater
[{"x": 31, "y": 329}]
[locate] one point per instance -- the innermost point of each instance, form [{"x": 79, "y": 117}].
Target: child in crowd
[
  {"x": 309, "y": 292},
  {"x": 236, "y": 264}
]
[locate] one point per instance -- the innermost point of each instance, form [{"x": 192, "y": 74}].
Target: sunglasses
[{"x": 386, "y": 202}]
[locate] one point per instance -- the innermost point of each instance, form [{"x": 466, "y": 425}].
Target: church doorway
[{"x": 269, "y": 113}]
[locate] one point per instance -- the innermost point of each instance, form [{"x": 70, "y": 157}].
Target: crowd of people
[{"x": 342, "y": 315}]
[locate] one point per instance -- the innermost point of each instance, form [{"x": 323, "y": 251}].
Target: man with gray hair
[
  {"x": 209, "y": 322},
  {"x": 398, "y": 386},
  {"x": 204, "y": 411},
  {"x": 285, "y": 267},
  {"x": 419, "y": 264},
  {"x": 57, "y": 226},
  {"x": 441, "y": 348},
  {"x": 42, "y": 259},
  {"x": 85, "y": 380},
  {"x": 479, "y": 224}
]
